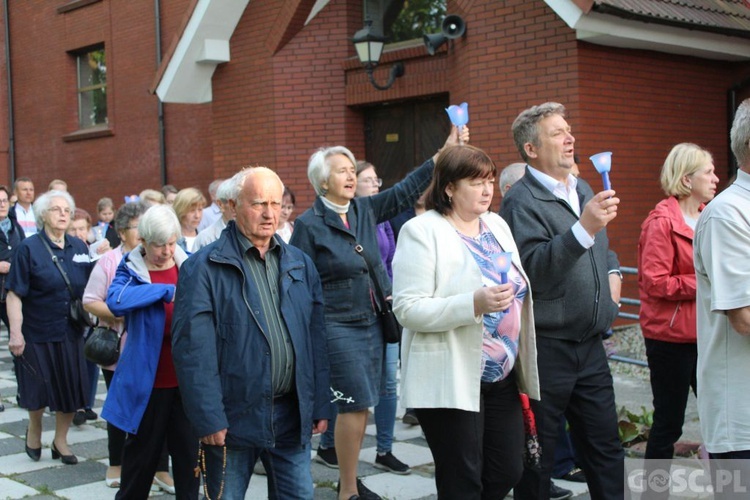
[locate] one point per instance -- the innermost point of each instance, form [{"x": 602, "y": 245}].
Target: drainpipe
[
  {"x": 162, "y": 138},
  {"x": 11, "y": 129}
]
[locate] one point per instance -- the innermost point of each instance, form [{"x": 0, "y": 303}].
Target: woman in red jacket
[{"x": 666, "y": 280}]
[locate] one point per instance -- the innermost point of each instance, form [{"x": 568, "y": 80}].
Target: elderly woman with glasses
[
  {"x": 144, "y": 398},
  {"x": 339, "y": 234},
  {"x": 46, "y": 344}
]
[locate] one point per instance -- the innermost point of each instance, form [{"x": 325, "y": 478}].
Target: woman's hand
[
  {"x": 454, "y": 139},
  {"x": 4, "y": 267},
  {"x": 492, "y": 299},
  {"x": 17, "y": 343},
  {"x": 103, "y": 248}
]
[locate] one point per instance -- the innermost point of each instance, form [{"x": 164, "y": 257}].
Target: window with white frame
[{"x": 91, "y": 65}]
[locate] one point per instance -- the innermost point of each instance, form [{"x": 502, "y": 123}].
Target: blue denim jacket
[{"x": 322, "y": 235}]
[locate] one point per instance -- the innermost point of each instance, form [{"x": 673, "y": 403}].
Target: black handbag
[
  {"x": 77, "y": 314},
  {"x": 388, "y": 322},
  {"x": 102, "y": 346}
]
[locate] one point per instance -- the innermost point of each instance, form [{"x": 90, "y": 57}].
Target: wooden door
[{"x": 401, "y": 136}]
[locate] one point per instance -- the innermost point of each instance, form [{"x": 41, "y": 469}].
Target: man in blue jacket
[{"x": 249, "y": 348}]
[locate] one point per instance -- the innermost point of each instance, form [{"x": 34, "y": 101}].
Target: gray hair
[
  {"x": 127, "y": 212},
  {"x": 224, "y": 192},
  {"x": 158, "y": 225},
  {"x": 238, "y": 181},
  {"x": 740, "y": 135},
  {"x": 526, "y": 125},
  {"x": 41, "y": 205},
  {"x": 319, "y": 166},
  {"x": 214, "y": 186},
  {"x": 510, "y": 175}
]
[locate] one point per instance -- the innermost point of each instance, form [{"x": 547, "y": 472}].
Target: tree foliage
[{"x": 417, "y": 18}]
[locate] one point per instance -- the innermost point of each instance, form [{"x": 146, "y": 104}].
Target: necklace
[{"x": 56, "y": 241}]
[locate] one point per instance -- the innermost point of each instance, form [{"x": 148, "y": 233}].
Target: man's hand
[
  {"x": 740, "y": 320},
  {"x": 215, "y": 439},
  {"x": 599, "y": 212}
]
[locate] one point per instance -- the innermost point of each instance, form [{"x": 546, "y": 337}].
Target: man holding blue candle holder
[{"x": 559, "y": 225}]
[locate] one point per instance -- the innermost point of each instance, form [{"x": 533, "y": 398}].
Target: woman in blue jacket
[
  {"x": 339, "y": 233},
  {"x": 144, "y": 399}
]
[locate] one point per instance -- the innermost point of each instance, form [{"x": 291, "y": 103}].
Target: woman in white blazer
[{"x": 469, "y": 344}]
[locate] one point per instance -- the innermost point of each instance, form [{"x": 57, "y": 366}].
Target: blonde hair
[
  {"x": 186, "y": 200},
  {"x": 685, "y": 159},
  {"x": 152, "y": 197}
]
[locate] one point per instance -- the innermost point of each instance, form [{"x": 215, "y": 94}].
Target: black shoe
[
  {"x": 327, "y": 457},
  {"x": 66, "y": 459},
  {"x": 391, "y": 464},
  {"x": 410, "y": 417},
  {"x": 557, "y": 493},
  {"x": 363, "y": 492},
  {"x": 90, "y": 414},
  {"x": 575, "y": 474},
  {"x": 79, "y": 418},
  {"x": 34, "y": 453}
]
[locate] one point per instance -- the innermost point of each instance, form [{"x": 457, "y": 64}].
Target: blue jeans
[
  {"x": 385, "y": 410},
  {"x": 287, "y": 464}
]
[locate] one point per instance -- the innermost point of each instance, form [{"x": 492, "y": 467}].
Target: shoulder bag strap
[{"x": 59, "y": 267}]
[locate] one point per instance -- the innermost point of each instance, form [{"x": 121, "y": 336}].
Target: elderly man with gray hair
[
  {"x": 510, "y": 175},
  {"x": 213, "y": 211},
  {"x": 250, "y": 348},
  {"x": 722, "y": 269},
  {"x": 212, "y": 232}
]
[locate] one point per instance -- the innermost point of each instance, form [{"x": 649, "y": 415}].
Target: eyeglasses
[
  {"x": 59, "y": 210},
  {"x": 372, "y": 181},
  {"x": 4, "y": 202},
  {"x": 131, "y": 227}
]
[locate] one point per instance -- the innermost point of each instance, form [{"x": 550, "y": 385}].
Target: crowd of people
[{"x": 243, "y": 332}]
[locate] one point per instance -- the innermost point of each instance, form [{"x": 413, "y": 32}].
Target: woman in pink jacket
[{"x": 666, "y": 280}]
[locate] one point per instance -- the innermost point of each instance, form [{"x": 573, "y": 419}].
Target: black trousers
[
  {"x": 673, "y": 372},
  {"x": 576, "y": 382},
  {"x": 164, "y": 419},
  {"x": 478, "y": 455},
  {"x": 116, "y": 438}
]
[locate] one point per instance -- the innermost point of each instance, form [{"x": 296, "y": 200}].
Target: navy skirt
[{"x": 52, "y": 375}]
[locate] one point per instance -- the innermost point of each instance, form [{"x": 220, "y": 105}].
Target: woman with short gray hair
[
  {"x": 144, "y": 399},
  {"x": 47, "y": 344},
  {"x": 339, "y": 234}
]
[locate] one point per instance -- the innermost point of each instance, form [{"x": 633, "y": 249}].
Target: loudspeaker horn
[
  {"x": 433, "y": 42},
  {"x": 453, "y": 27}
]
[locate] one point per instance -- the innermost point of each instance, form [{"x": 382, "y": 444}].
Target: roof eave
[
  {"x": 606, "y": 29},
  {"x": 204, "y": 44}
]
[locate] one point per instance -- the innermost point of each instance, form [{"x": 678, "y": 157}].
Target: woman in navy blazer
[{"x": 331, "y": 233}]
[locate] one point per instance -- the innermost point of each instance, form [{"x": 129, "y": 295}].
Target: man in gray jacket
[{"x": 559, "y": 226}]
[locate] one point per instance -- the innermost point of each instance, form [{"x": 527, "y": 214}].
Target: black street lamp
[{"x": 369, "y": 47}]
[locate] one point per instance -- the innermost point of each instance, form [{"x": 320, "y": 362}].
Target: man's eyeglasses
[{"x": 372, "y": 181}]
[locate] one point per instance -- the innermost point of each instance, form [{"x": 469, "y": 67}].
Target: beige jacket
[{"x": 434, "y": 279}]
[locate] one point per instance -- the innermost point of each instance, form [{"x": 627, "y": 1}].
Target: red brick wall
[{"x": 45, "y": 101}]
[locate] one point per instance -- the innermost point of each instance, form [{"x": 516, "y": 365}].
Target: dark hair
[
  {"x": 127, "y": 212},
  {"x": 168, "y": 188},
  {"x": 456, "y": 163},
  {"x": 5, "y": 188},
  {"x": 288, "y": 192}
]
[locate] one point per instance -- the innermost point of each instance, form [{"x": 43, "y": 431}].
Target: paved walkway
[{"x": 20, "y": 477}]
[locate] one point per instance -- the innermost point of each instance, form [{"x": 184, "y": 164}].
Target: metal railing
[{"x": 625, "y": 301}]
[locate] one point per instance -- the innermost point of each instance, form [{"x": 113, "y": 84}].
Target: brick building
[{"x": 267, "y": 82}]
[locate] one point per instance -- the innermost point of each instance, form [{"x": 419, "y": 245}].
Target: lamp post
[{"x": 369, "y": 46}]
